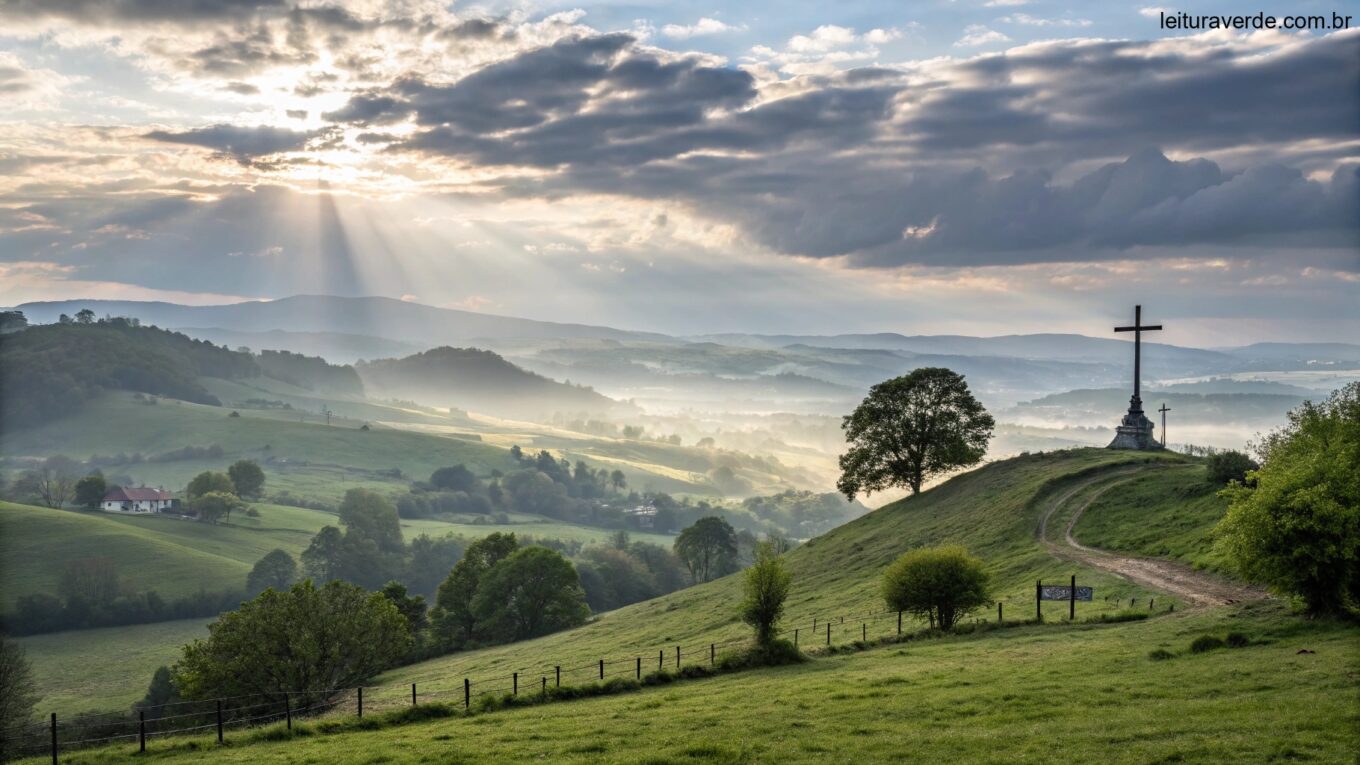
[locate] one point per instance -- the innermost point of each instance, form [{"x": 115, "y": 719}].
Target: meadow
[{"x": 1085, "y": 693}]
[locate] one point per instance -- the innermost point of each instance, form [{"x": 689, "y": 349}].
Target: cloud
[
  {"x": 1025, "y": 19},
  {"x": 975, "y": 35},
  {"x": 702, "y": 27},
  {"x": 241, "y": 143}
]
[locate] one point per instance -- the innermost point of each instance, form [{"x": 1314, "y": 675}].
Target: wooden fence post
[
  {"x": 141, "y": 730},
  {"x": 660, "y": 659},
  {"x": 864, "y": 632},
  {"x": 795, "y": 638},
  {"x": 601, "y": 669},
  {"x": 1149, "y": 604},
  {"x": 514, "y": 683},
  {"x": 54, "y": 736},
  {"x": 712, "y": 654},
  {"x": 639, "y": 667},
  {"x": 1072, "y": 600},
  {"x": 1038, "y": 600},
  {"x": 899, "y": 622},
  {"x": 413, "y": 694},
  {"x": 287, "y": 711},
  {"x": 998, "y": 612},
  {"x": 828, "y": 633},
  {"x": 467, "y": 693},
  {"x": 545, "y": 685},
  {"x": 219, "y": 724},
  {"x": 558, "y": 669},
  {"x": 677, "y": 657},
  {"x": 361, "y": 702}
]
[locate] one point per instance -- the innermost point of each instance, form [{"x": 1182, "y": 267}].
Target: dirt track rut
[{"x": 1193, "y": 587}]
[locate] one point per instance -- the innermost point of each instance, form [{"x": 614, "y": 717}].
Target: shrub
[
  {"x": 1237, "y": 640},
  {"x": 767, "y": 586},
  {"x": 1161, "y": 654},
  {"x": 1206, "y": 643},
  {"x": 1297, "y": 527},
  {"x": 940, "y": 583},
  {"x": 1228, "y": 466}
]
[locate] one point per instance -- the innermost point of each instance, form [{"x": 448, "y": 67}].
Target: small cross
[{"x": 1164, "y": 410}]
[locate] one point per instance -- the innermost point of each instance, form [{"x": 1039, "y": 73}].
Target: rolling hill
[
  {"x": 469, "y": 378},
  {"x": 1003, "y": 695}
]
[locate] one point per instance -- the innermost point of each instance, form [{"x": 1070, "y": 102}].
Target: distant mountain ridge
[
  {"x": 399, "y": 320},
  {"x": 469, "y": 378}
]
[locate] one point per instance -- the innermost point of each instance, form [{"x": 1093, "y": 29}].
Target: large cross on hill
[
  {"x": 1138, "y": 328},
  {"x": 1135, "y": 430}
]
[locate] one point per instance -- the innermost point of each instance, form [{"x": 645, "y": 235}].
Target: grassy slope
[
  {"x": 993, "y": 511},
  {"x": 104, "y": 669},
  {"x": 177, "y": 557},
  {"x": 1036, "y": 694},
  {"x": 1168, "y": 514}
]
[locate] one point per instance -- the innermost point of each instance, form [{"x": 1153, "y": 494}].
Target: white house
[{"x": 139, "y": 500}]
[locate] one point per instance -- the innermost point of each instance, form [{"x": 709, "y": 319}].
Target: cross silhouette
[
  {"x": 1164, "y": 410},
  {"x": 1138, "y": 328}
]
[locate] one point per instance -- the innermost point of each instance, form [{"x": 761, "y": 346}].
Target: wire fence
[{"x": 145, "y": 724}]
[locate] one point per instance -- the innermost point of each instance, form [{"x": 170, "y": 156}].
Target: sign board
[{"x": 1064, "y": 592}]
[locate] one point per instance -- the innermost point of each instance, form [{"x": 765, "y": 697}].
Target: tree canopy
[
  {"x": 1295, "y": 526},
  {"x": 457, "y": 619},
  {"x": 766, "y": 586},
  {"x": 276, "y": 570},
  {"x": 532, "y": 592},
  {"x": 708, "y": 548},
  {"x": 911, "y": 428},
  {"x": 209, "y": 481},
  {"x": 248, "y": 478},
  {"x": 302, "y": 640}
]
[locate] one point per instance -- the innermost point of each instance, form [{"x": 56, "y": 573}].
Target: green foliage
[
  {"x": 456, "y": 478},
  {"x": 1160, "y": 654},
  {"x": 18, "y": 689},
  {"x": 248, "y": 478},
  {"x": 1206, "y": 643},
  {"x": 532, "y": 592},
  {"x": 50, "y": 371},
  {"x": 941, "y": 584},
  {"x": 209, "y": 481},
  {"x": 456, "y": 620},
  {"x": 1237, "y": 640},
  {"x": 160, "y": 692},
  {"x": 1297, "y": 527},
  {"x": 911, "y": 428},
  {"x": 90, "y": 490},
  {"x": 214, "y": 506},
  {"x": 372, "y": 551},
  {"x": 767, "y": 587},
  {"x": 276, "y": 570},
  {"x": 412, "y": 607},
  {"x": 334, "y": 636},
  {"x": 1228, "y": 466},
  {"x": 322, "y": 560},
  {"x": 708, "y": 548}
]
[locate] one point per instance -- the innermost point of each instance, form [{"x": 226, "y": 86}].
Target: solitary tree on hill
[
  {"x": 911, "y": 428},
  {"x": 941, "y": 584},
  {"x": 276, "y": 570},
  {"x": 707, "y": 547},
  {"x": 248, "y": 478},
  {"x": 767, "y": 587},
  {"x": 209, "y": 481}
]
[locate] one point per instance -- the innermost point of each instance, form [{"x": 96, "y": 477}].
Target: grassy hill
[
  {"x": 1168, "y": 514},
  {"x": 178, "y": 558},
  {"x": 1085, "y": 694}
]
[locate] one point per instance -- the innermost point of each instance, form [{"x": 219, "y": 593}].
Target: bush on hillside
[
  {"x": 1225, "y": 467},
  {"x": 940, "y": 584},
  {"x": 1297, "y": 528},
  {"x": 1160, "y": 654},
  {"x": 1237, "y": 640}
]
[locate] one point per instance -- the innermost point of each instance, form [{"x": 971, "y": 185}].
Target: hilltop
[{"x": 469, "y": 378}]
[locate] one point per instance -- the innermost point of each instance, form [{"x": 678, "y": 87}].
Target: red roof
[{"x": 136, "y": 495}]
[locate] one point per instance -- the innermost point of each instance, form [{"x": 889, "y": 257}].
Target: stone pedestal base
[{"x": 1135, "y": 432}]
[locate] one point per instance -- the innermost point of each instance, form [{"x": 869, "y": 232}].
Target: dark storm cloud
[
  {"x": 886, "y": 166},
  {"x": 244, "y": 144}
]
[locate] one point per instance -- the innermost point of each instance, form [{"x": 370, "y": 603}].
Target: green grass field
[
  {"x": 1166, "y": 514},
  {"x": 177, "y": 557},
  {"x": 1056, "y": 693},
  {"x": 104, "y": 669}
]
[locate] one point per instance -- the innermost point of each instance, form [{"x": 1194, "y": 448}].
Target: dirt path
[{"x": 1194, "y": 587}]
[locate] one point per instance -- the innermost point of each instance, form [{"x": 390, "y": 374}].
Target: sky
[{"x": 972, "y": 167}]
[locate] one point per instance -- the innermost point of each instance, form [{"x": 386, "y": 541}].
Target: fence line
[{"x": 56, "y": 737}]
